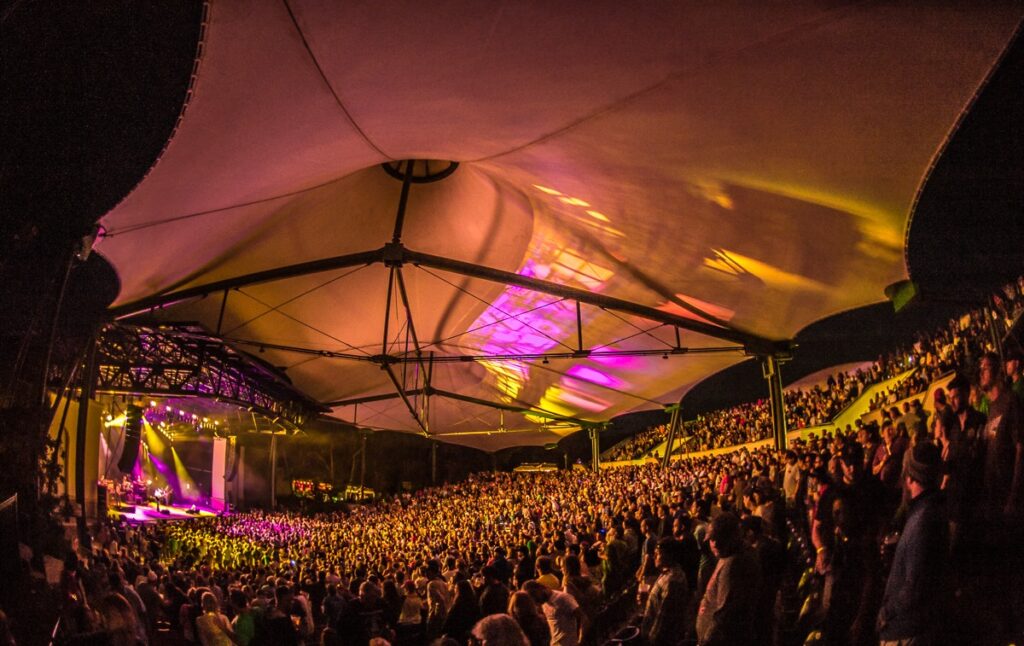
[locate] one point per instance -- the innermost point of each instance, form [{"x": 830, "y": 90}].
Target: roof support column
[
  {"x": 595, "y": 448},
  {"x": 433, "y": 461},
  {"x": 674, "y": 424},
  {"x": 273, "y": 470},
  {"x": 770, "y": 368},
  {"x": 82, "y": 432},
  {"x": 364, "y": 433}
]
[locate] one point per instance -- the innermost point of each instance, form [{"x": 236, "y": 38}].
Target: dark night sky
[{"x": 91, "y": 91}]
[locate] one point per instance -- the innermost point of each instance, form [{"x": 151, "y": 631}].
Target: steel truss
[
  {"x": 187, "y": 361},
  {"x": 416, "y": 394}
]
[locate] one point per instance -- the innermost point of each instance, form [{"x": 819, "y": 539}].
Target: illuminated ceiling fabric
[{"x": 758, "y": 162}]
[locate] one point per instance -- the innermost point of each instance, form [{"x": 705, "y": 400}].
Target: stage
[{"x": 147, "y": 513}]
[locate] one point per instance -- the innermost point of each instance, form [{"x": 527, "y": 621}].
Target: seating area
[{"x": 959, "y": 342}]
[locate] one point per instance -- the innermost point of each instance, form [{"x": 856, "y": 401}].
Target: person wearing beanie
[{"x": 915, "y": 593}]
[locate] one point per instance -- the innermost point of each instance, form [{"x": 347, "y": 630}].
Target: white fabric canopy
[{"x": 759, "y": 162}]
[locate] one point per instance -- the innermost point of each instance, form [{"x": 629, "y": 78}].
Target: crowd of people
[
  {"x": 912, "y": 527},
  {"x": 638, "y": 445},
  {"x": 958, "y": 343}
]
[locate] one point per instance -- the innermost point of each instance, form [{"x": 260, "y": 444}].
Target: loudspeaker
[
  {"x": 132, "y": 438},
  {"x": 101, "y": 501}
]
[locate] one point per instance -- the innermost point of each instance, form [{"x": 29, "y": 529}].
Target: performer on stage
[{"x": 160, "y": 495}]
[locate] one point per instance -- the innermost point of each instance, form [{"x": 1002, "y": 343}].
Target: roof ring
[{"x": 424, "y": 171}]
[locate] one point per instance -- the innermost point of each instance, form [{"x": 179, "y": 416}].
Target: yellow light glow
[
  {"x": 615, "y": 233},
  {"x": 597, "y": 215},
  {"x": 181, "y": 472},
  {"x": 153, "y": 439},
  {"x": 770, "y": 274},
  {"x": 882, "y": 226},
  {"x": 574, "y": 201},
  {"x": 545, "y": 189},
  {"x": 116, "y": 421}
]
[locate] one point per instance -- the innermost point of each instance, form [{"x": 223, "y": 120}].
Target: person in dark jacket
[
  {"x": 464, "y": 613},
  {"x": 494, "y": 595},
  {"x": 915, "y": 593}
]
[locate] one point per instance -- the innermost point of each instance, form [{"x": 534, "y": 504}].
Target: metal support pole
[
  {"x": 362, "y": 463},
  {"x": 273, "y": 470},
  {"x": 595, "y": 448},
  {"x": 674, "y": 424},
  {"x": 81, "y": 432},
  {"x": 433, "y": 462},
  {"x": 771, "y": 372},
  {"x": 223, "y": 306},
  {"x": 579, "y": 328}
]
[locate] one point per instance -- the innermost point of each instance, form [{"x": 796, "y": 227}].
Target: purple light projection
[{"x": 538, "y": 327}]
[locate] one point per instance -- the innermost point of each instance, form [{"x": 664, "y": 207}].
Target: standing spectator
[
  {"x": 499, "y": 630},
  {"x": 562, "y": 612},
  {"x": 244, "y": 623},
  {"x": 333, "y": 606},
  {"x": 665, "y": 611},
  {"x": 410, "y": 621},
  {"x": 120, "y": 624},
  {"x": 648, "y": 571},
  {"x": 1003, "y": 443},
  {"x": 545, "y": 573},
  {"x": 463, "y": 614},
  {"x": 212, "y": 626},
  {"x": 771, "y": 557},
  {"x": 887, "y": 466},
  {"x": 582, "y": 588},
  {"x": 523, "y": 609},
  {"x": 494, "y": 594},
  {"x": 615, "y": 567},
  {"x": 727, "y": 610},
  {"x": 277, "y": 624},
  {"x": 791, "y": 480},
  {"x": 915, "y": 591},
  {"x": 1014, "y": 370}
]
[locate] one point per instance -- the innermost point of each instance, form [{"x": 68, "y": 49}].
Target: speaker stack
[{"x": 132, "y": 438}]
